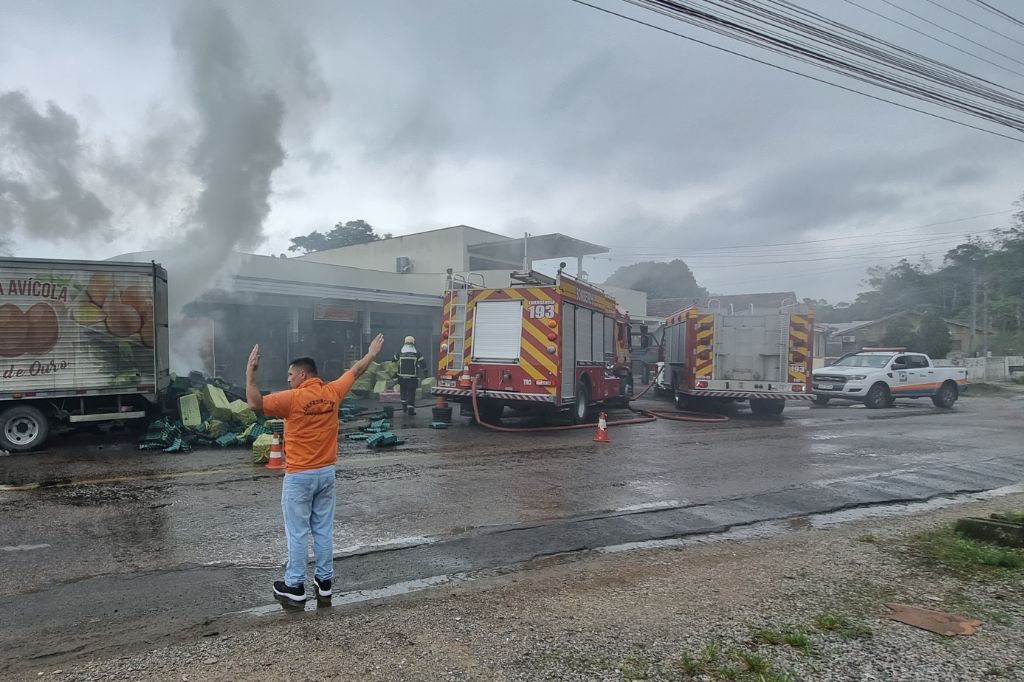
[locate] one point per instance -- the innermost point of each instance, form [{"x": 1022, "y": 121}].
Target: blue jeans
[{"x": 308, "y": 498}]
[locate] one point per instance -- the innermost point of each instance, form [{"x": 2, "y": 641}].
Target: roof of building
[{"x": 509, "y": 251}]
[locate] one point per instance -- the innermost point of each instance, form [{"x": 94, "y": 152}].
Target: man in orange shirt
[{"x": 310, "y": 413}]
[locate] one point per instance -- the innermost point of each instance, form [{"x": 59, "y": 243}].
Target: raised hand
[{"x": 254, "y": 360}]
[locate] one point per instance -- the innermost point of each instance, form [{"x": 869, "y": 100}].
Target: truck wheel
[
  {"x": 683, "y": 402},
  {"x": 581, "y": 410},
  {"x": 23, "y": 428},
  {"x": 878, "y": 397},
  {"x": 822, "y": 400},
  {"x": 946, "y": 396},
  {"x": 767, "y": 406}
]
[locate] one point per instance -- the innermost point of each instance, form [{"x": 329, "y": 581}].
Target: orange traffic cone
[
  {"x": 602, "y": 430},
  {"x": 276, "y": 460}
]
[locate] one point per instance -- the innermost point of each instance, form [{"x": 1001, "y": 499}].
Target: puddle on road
[
  {"x": 22, "y": 548},
  {"x": 394, "y": 543},
  {"x": 662, "y": 504}
]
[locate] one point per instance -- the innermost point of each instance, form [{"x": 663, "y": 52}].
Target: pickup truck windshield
[{"x": 876, "y": 361}]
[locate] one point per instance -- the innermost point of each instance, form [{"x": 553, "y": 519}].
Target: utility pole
[
  {"x": 984, "y": 324},
  {"x": 974, "y": 310}
]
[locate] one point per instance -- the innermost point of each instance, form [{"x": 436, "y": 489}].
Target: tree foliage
[
  {"x": 343, "y": 234},
  {"x": 659, "y": 280},
  {"x": 932, "y": 336},
  {"x": 975, "y": 270},
  {"x": 900, "y": 332}
]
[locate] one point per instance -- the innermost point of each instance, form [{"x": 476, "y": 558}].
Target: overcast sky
[{"x": 512, "y": 116}]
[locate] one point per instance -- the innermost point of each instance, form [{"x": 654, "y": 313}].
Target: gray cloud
[{"x": 42, "y": 186}]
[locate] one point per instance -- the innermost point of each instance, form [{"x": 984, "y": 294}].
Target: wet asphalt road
[{"x": 103, "y": 547}]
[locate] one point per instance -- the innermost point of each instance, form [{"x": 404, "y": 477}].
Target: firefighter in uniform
[{"x": 410, "y": 363}]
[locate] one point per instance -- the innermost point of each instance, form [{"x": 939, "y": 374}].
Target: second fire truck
[
  {"x": 713, "y": 355},
  {"x": 541, "y": 344}
]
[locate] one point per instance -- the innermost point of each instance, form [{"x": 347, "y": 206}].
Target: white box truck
[{"x": 80, "y": 341}]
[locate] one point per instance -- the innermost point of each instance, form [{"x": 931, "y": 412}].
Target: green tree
[
  {"x": 343, "y": 234},
  {"x": 659, "y": 280},
  {"x": 900, "y": 332},
  {"x": 933, "y": 336}
]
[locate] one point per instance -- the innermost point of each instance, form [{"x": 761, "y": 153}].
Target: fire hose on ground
[{"x": 647, "y": 416}]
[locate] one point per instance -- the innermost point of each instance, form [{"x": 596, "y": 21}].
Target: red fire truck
[
  {"x": 541, "y": 344},
  {"x": 714, "y": 355}
]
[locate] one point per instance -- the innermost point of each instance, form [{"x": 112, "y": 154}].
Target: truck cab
[{"x": 878, "y": 377}]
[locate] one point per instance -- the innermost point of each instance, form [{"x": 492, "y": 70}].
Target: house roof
[{"x": 842, "y": 328}]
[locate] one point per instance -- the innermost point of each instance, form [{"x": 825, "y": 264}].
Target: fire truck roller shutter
[{"x": 498, "y": 330}]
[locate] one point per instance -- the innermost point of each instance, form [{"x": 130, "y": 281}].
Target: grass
[
  {"x": 842, "y": 626},
  {"x": 793, "y": 637},
  {"x": 1009, "y": 516},
  {"x": 635, "y": 668},
  {"x": 735, "y": 665},
  {"x": 944, "y": 547}
]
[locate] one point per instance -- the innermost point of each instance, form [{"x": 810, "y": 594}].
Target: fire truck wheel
[
  {"x": 821, "y": 400},
  {"x": 581, "y": 410},
  {"x": 23, "y": 428}
]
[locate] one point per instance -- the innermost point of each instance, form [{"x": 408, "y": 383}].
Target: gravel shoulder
[{"x": 706, "y": 611}]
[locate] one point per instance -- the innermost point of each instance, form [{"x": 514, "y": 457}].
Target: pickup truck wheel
[
  {"x": 23, "y": 428},
  {"x": 821, "y": 400},
  {"x": 878, "y": 397},
  {"x": 767, "y": 406},
  {"x": 946, "y": 396}
]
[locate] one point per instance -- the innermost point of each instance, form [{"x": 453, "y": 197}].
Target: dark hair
[{"x": 307, "y": 365}]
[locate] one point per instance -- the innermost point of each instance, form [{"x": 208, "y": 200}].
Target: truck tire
[
  {"x": 581, "y": 409},
  {"x": 946, "y": 395},
  {"x": 822, "y": 400},
  {"x": 878, "y": 397},
  {"x": 767, "y": 406},
  {"x": 23, "y": 428}
]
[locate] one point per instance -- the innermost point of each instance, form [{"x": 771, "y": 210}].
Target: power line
[
  {"x": 905, "y": 231},
  {"x": 931, "y": 37},
  {"x": 959, "y": 35},
  {"x": 998, "y": 12},
  {"x": 976, "y": 23},
  {"x": 793, "y": 71},
  {"x": 913, "y": 77}
]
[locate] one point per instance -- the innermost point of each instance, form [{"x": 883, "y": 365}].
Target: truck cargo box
[{"x": 72, "y": 328}]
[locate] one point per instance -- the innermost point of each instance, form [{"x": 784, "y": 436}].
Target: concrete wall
[
  {"x": 430, "y": 252},
  {"x": 988, "y": 369}
]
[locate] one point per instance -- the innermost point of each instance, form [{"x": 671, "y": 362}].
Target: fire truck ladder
[
  {"x": 785, "y": 309},
  {"x": 458, "y": 287}
]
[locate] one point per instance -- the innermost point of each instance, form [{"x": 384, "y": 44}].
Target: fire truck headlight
[
  {"x": 444, "y": 347},
  {"x": 798, "y": 388}
]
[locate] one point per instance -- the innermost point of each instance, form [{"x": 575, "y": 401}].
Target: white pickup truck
[{"x": 878, "y": 378}]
